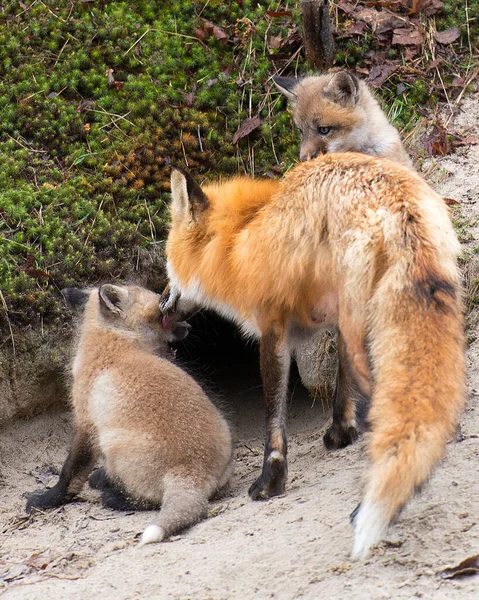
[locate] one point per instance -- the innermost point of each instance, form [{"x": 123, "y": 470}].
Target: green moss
[{"x": 98, "y": 100}]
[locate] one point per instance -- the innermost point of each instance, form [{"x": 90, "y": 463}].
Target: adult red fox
[
  {"x": 344, "y": 239},
  {"x": 161, "y": 439}
]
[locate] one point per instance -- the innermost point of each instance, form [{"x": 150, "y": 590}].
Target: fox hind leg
[
  {"x": 72, "y": 477},
  {"x": 343, "y": 430}
]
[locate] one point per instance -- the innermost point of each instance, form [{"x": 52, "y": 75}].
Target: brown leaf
[
  {"x": 437, "y": 142},
  {"x": 38, "y": 274},
  {"x": 246, "y": 128},
  {"x": 433, "y": 64},
  {"x": 379, "y": 74},
  {"x": 407, "y": 37},
  {"x": 458, "y": 82},
  {"x": 279, "y": 13},
  {"x": 39, "y": 561},
  {"x": 465, "y": 140},
  {"x": 189, "y": 99},
  {"x": 450, "y": 201},
  {"x": 215, "y": 31},
  {"x": 426, "y": 7},
  {"x": 380, "y": 22},
  {"x": 200, "y": 33},
  {"x": 358, "y": 28},
  {"x": 448, "y": 35},
  {"x": 469, "y": 566},
  {"x": 347, "y": 7},
  {"x": 84, "y": 105},
  {"x": 275, "y": 42}
]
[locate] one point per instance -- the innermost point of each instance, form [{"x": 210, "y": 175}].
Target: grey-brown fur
[
  {"x": 160, "y": 438},
  {"x": 336, "y": 112}
]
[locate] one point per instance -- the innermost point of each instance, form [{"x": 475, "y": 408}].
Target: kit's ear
[
  {"x": 187, "y": 198},
  {"x": 343, "y": 89},
  {"x": 113, "y": 299},
  {"x": 286, "y": 86}
]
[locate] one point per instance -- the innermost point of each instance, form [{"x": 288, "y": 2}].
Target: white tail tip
[
  {"x": 152, "y": 534},
  {"x": 370, "y": 526}
]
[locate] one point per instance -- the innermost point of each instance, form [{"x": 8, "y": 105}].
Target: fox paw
[
  {"x": 338, "y": 436},
  {"x": 49, "y": 498},
  {"x": 272, "y": 481}
]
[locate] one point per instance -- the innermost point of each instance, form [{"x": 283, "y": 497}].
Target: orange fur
[{"x": 347, "y": 239}]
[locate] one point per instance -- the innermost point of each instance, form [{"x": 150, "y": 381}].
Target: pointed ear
[
  {"x": 286, "y": 86},
  {"x": 187, "y": 197},
  {"x": 75, "y": 298},
  {"x": 112, "y": 298},
  {"x": 343, "y": 89}
]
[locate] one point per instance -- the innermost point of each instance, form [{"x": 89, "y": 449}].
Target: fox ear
[
  {"x": 75, "y": 298},
  {"x": 343, "y": 89},
  {"x": 187, "y": 198},
  {"x": 112, "y": 298},
  {"x": 286, "y": 86}
]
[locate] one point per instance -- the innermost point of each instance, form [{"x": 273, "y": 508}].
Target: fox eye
[{"x": 324, "y": 130}]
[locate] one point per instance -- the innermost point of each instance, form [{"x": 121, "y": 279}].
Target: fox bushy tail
[
  {"x": 415, "y": 335},
  {"x": 183, "y": 505}
]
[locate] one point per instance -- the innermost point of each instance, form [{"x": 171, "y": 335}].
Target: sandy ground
[{"x": 295, "y": 546}]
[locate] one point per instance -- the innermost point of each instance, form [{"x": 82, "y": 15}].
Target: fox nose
[{"x": 305, "y": 157}]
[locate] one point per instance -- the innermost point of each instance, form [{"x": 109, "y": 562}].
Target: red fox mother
[{"x": 344, "y": 239}]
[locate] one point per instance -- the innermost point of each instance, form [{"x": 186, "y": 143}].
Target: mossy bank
[{"x": 97, "y": 101}]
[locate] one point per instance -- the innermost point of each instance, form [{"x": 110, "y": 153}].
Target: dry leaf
[
  {"x": 448, "y": 36},
  {"x": 437, "y": 142},
  {"x": 246, "y": 128},
  {"x": 469, "y": 566},
  {"x": 379, "y": 74},
  {"x": 280, "y": 13},
  {"x": 407, "y": 37},
  {"x": 275, "y": 42},
  {"x": 215, "y": 31},
  {"x": 450, "y": 201},
  {"x": 347, "y": 7}
]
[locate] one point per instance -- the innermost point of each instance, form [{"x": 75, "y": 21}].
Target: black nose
[{"x": 305, "y": 157}]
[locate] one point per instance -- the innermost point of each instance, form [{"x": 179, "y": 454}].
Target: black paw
[
  {"x": 272, "y": 481},
  {"x": 44, "y": 499},
  {"x": 339, "y": 437},
  {"x": 99, "y": 480}
]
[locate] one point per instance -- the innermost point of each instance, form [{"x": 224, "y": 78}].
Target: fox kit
[
  {"x": 336, "y": 112},
  {"x": 344, "y": 239},
  {"x": 161, "y": 439}
]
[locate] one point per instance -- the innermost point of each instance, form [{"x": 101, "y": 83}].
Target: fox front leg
[
  {"x": 275, "y": 363},
  {"x": 74, "y": 473}
]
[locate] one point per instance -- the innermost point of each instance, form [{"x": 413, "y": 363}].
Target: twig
[
  {"x": 26, "y": 147},
  {"x": 63, "y": 48},
  {"x": 199, "y": 138},
  {"x": 138, "y": 40},
  {"x": 51, "y": 12}
]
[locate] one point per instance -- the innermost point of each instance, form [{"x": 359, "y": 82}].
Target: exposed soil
[{"x": 296, "y": 546}]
